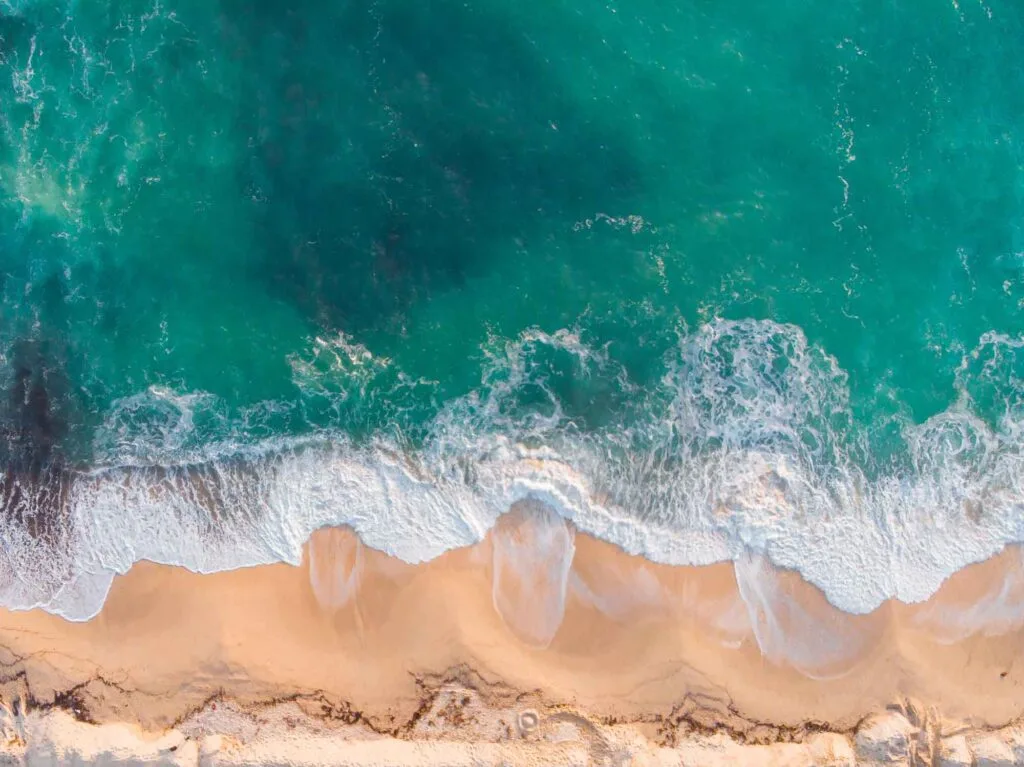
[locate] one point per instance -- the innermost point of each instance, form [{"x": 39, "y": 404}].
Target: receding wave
[{"x": 746, "y": 447}]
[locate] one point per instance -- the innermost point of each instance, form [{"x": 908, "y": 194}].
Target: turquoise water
[{"x": 680, "y": 253}]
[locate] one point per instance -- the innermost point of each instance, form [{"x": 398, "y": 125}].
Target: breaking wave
[{"x": 746, "y": 447}]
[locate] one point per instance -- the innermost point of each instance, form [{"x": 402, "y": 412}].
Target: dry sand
[{"x": 366, "y": 649}]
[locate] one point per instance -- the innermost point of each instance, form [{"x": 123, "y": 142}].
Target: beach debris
[
  {"x": 467, "y": 725},
  {"x": 528, "y": 721}
]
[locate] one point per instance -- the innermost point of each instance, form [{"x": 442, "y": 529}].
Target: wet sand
[{"x": 534, "y": 616}]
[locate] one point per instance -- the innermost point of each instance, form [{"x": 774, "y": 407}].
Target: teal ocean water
[{"x": 703, "y": 277}]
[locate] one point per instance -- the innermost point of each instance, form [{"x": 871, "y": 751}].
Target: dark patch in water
[
  {"x": 33, "y": 429},
  {"x": 384, "y": 176},
  {"x": 34, "y": 489}
]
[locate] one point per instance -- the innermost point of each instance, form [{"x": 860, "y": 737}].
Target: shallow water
[{"x": 711, "y": 280}]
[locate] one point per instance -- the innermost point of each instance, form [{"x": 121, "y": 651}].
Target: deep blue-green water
[{"x": 704, "y": 277}]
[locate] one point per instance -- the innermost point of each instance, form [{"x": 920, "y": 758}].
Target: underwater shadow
[
  {"x": 398, "y": 148},
  {"x": 35, "y": 480}
]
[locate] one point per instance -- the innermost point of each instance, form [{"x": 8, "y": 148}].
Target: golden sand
[{"x": 671, "y": 651}]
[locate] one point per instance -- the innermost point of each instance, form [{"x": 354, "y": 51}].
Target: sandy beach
[{"x": 536, "y": 619}]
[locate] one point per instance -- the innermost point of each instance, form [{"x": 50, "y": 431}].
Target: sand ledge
[{"x": 457, "y": 727}]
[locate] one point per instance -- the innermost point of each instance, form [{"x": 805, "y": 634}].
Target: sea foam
[{"x": 746, "y": 448}]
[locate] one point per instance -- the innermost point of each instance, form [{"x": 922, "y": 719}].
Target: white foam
[{"x": 747, "y": 447}]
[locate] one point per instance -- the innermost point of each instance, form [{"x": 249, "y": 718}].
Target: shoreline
[
  {"x": 214, "y": 516},
  {"x": 530, "y": 618}
]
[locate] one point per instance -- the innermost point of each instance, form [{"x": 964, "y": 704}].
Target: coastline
[{"x": 672, "y": 654}]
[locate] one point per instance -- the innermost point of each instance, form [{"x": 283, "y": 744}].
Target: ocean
[{"x": 704, "y": 278}]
